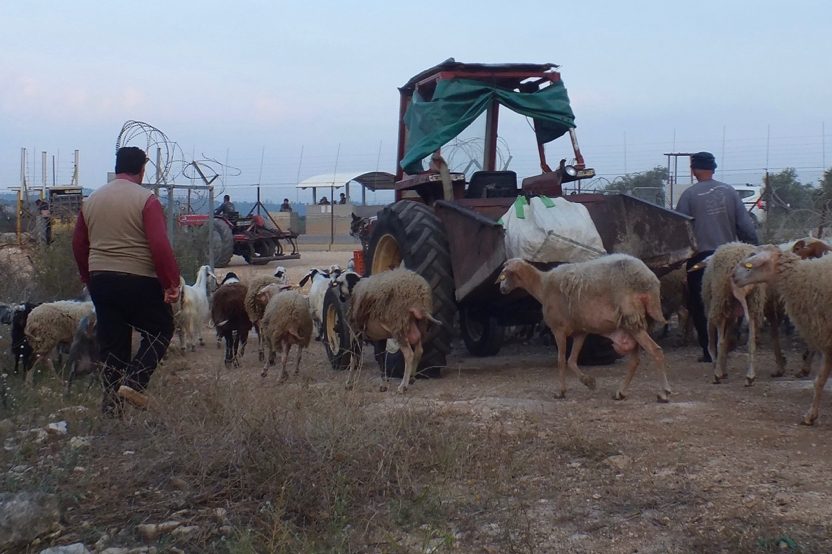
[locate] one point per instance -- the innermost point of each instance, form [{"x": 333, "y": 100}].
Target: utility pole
[{"x": 76, "y": 168}]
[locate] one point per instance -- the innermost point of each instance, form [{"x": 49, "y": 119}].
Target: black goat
[{"x": 21, "y": 350}]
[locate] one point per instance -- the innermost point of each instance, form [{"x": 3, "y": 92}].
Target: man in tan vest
[{"x": 125, "y": 259}]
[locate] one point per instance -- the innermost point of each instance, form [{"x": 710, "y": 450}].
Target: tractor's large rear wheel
[
  {"x": 410, "y": 232},
  {"x": 223, "y": 243}
]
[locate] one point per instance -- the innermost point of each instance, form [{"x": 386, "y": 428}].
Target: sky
[{"x": 282, "y": 91}]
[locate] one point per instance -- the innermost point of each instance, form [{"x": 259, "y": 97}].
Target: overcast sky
[{"x": 749, "y": 81}]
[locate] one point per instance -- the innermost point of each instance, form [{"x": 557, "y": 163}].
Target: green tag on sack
[
  {"x": 548, "y": 202},
  {"x": 519, "y": 205}
]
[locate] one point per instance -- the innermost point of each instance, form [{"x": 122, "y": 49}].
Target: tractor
[
  {"x": 446, "y": 226},
  {"x": 256, "y": 238}
]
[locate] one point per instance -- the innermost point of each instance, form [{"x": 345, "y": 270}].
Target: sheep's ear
[{"x": 306, "y": 278}]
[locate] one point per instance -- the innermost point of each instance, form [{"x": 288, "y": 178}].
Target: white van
[{"x": 752, "y": 199}]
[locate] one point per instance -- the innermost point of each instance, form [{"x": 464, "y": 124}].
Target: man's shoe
[
  {"x": 133, "y": 397},
  {"x": 705, "y": 358}
]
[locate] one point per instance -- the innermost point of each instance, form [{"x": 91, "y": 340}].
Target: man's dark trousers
[{"x": 123, "y": 302}]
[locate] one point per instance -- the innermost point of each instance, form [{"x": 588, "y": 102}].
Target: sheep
[
  {"x": 395, "y": 304},
  {"x": 674, "y": 295},
  {"x": 84, "y": 353},
  {"x": 228, "y": 312},
  {"x": 615, "y": 296},
  {"x": 805, "y": 288},
  {"x": 811, "y": 248},
  {"x": 725, "y": 303},
  {"x": 194, "y": 310},
  {"x": 229, "y": 277},
  {"x": 255, "y": 308},
  {"x": 52, "y": 325},
  {"x": 281, "y": 275},
  {"x": 286, "y": 322}
]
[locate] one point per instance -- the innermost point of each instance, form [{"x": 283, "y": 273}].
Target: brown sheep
[
  {"x": 615, "y": 296},
  {"x": 255, "y": 308}
]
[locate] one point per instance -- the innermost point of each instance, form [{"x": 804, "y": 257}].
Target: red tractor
[
  {"x": 256, "y": 238},
  {"x": 446, "y": 226}
]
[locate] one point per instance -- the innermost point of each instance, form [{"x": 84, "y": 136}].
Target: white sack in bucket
[{"x": 551, "y": 230}]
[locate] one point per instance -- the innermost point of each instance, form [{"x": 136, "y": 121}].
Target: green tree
[
  {"x": 785, "y": 192},
  {"x": 823, "y": 194},
  {"x": 647, "y": 185}
]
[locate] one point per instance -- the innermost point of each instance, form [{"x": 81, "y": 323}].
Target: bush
[
  {"x": 55, "y": 275},
  {"x": 190, "y": 247}
]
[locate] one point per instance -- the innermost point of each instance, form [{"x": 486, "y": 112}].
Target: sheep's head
[
  {"x": 265, "y": 294},
  {"x": 310, "y": 276},
  {"x": 700, "y": 265},
  {"x": 281, "y": 275},
  {"x": 509, "y": 278},
  {"x": 759, "y": 267},
  {"x": 345, "y": 283},
  {"x": 811, "y": 248},
  {"x": 230, "y": 277}
]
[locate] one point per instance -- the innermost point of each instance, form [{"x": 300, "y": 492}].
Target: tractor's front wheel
[
  {"x": 337, "y": 339},
  {"x": 482, "y": 335},
  {"x": 409, "y": 232}
]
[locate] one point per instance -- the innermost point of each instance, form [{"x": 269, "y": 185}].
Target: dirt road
[{"x": 719, "y": 468}]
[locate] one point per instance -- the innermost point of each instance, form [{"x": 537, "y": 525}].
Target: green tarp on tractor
[{"x": 456, "y": 103}]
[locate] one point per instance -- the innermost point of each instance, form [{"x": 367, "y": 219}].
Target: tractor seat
[{"x": 492, "y": 184}]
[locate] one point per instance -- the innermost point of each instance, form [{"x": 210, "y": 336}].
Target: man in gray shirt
[{"x": 718, "y": 217}]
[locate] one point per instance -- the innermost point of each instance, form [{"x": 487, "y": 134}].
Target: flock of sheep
[
  {"x": 615, "y": 296},
  {"x": 282, "y": 317}
]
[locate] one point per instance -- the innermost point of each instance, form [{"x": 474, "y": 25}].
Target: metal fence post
[{"x": 210, "y": 227}]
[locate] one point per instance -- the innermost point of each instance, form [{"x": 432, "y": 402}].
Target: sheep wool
[
  {"x": 253, "y": 308},
  {"x": 287, "y": 312},
  {"x": 614, "y": 277},
  {"x": 717, "y": 297},
  {"x": 55, "y": 322},
  {"x": 387, "y": 297},
  {"x": 806, "y": 287}
]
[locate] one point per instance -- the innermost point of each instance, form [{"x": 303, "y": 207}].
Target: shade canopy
[{"x": 372, "y": 180}]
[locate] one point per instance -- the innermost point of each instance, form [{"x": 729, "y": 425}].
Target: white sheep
[
  {"x": 725, "y": 303},
  {"x": 396, "y": 304},
  {"x": 615, "y": 296},
  {"x": 805, "y": 287},
  {"x": 52, "y": 325},
  {"x": 194, "y": 310},
  {"x": 286, "y": 322}
]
